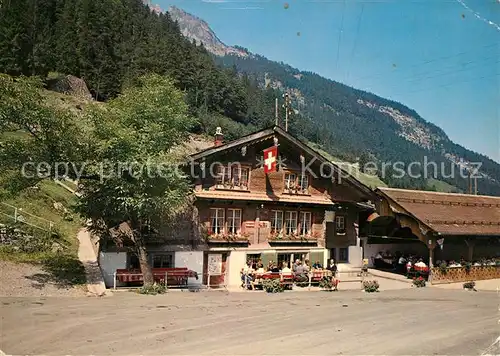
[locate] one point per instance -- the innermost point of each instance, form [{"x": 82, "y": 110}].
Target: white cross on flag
[{"x": 270, "y": 159}]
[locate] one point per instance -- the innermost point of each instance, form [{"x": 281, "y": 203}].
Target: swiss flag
[{"x": 270, "y": 159}]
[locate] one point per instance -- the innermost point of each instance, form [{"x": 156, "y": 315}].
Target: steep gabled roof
[
  {"x": 276, "y": 130},
  {"x": 447, "y": 213}
]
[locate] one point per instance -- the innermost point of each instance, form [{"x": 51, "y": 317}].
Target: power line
[
  {"x": 356, "y": 37},
  {"x": 432, "y": 60},
  {"x": 440, "y": 74},
  {"x": 340, "y": 34},
  {"x": 453, "y": 83}
]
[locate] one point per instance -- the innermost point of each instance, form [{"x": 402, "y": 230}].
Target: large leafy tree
[
  {"x": 122, "y": 153},
  {"x": 138, "y": 185}
]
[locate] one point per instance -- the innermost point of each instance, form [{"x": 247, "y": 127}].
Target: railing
[{"x": 18, "y": 215}]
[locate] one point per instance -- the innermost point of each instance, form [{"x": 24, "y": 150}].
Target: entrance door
[{"x": 217, "y": 272}]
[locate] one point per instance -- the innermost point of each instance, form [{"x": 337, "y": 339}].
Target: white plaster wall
[
  {"x": 355, "y": 256},
  {"x": 109, "y": 262},
  {"x": 236, "y": 261},
  {"x": 193, "y": 260}
]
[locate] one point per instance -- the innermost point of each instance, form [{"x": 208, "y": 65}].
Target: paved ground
[{"x": 411, "y": 321}]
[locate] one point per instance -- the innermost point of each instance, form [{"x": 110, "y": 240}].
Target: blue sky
[{"x": 435, "y": 56}]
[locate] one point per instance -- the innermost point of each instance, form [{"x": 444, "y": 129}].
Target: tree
[
  {"x": 121, "y": 153},
  {"x": 140, "y": 185}
]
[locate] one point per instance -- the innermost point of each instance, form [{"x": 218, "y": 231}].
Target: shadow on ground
[{"x": 60, "y": 270}]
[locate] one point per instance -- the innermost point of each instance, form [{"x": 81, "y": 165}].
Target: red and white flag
[{"x": 270, "y": 159}]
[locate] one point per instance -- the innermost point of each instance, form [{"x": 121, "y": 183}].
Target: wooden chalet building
[
  {"x": 240, "y": 212},
  {"x": 438, "y": 227},
  {"x": 286, "y": 214}
]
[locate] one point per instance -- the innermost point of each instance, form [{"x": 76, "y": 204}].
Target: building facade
[{"x": 305, "y": 207}]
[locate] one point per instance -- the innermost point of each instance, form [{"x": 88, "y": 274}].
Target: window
[
  {"x": 343, "y": 254},
  {"x": 234, "y": 221},
  {"x": 290, "y": 222},
  {"x": 290, "y": 179},
  {"x": 217, "y": 220},
  {"x": 236, "y": 176},
  {"x": 219, "y": 178},
  {"x": 163, "y": 260},
  {"x": 305, "y": 223},
  {"x": 304, "y": 182},
  {"x": 333, "y": 254},
  {"x": 276, "y": 221},
  {"x": 239, "y": 176},
  {"x": 254, "y": 258},
  {"x": 133, "y": 261},
  {"x": 340, "y": 224}
]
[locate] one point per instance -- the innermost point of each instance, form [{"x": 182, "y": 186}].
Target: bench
[
  {"x": 171, "y": 276},
  {"x": 418, "y": 272}
]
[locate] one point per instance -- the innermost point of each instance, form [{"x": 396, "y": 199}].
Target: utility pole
[
  {"x": 276, "y": 111},
  {"x": 288, "y": 109}
]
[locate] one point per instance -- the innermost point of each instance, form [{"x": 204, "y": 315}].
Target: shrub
[
  {"x": 153, "y": 289},
  {"x": 443, "y": 268},
  {"x": 370, "y": 286},
  {"x": 272, "y": 285},
  {"x": 419, "y": 282},
  {"x": 326, "y": 283},
  {"x": 470, "y": 285},
  {"x": 467, "y": 267}
]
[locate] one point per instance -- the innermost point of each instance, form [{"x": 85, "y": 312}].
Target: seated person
[
  {"x": 247, "y": 275},
  {"x": 420, "y": 264},
  {"x": 301, "y": 273},
  {"x": 408, "y": 266},
  {"x": 260, "y": 268},
  {"x": 332, "y": 266},
  {"x": 274, "y": 268},
  {"x": 285, "y": 269},
  {"x": 306, "y": 266},
  {"x": 317, "y": 265}
]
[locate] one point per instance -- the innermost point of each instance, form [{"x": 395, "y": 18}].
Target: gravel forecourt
[{"x": 426, "y": 321}]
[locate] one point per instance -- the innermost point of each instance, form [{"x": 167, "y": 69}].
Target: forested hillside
[
  {"x": 110, "y": 43},
  {"x": 357, "y": 124}
]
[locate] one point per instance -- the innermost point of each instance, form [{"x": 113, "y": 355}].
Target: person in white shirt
[
  {"x": 420, "y": 263},
  {"x": 285, "y": 269}
]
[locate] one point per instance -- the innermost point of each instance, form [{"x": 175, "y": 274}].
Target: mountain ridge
[{"x": 336, "y": 106}]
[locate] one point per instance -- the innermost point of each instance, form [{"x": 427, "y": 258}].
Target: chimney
[{"x": 218, "y": 137}]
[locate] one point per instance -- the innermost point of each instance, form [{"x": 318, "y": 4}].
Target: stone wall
[{"x": 460, "y": 274}]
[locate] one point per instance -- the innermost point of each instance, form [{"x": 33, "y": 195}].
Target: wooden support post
[{"x": 470, "y": 253}]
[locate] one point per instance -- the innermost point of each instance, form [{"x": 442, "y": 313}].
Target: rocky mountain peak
[{"x": 198, "y": 30}]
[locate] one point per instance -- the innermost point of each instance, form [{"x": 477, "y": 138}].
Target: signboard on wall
[{"x": 214, "y": 264}]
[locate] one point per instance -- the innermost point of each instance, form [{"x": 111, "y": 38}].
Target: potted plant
[
  {"x": 443, "y": 268},
  {"x": 326, "y": 284},
  {"x": 370, "y": 286},
  {"x": 419, "y": 282},
  {"x": 470, "y": 286},
  {"x": 272, "y": 285}
]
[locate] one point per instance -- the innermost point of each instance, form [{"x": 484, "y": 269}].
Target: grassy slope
[{"x": 37, "y": 206}]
